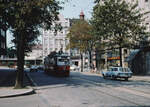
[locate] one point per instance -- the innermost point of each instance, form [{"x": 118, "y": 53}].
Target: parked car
[
  {"x": 33, "y": 68},
  {"x": 74, "y": 67},
  {"x": 117, "y": 72},
  {"x": 40, "y": 67}
]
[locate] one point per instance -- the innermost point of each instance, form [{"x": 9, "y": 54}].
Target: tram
[{"x": 57, "y": 64}]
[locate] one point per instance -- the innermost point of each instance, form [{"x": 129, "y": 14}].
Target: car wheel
[
  {"x": 113, "y": 77},
  {"x": 104, "y": 76}
]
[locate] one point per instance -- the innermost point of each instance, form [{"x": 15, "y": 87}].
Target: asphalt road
[{"x": 82, "y": 90}]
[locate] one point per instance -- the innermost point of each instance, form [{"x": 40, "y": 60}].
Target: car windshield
[{"x": 114, "y": 69}]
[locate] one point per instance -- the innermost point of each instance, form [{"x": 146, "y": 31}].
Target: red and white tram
[{"x": 57, "y": 64}]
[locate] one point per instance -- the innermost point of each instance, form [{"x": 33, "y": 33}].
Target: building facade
[
  {"x": 56, "y": 41},
  {"x": 35, "y": 57},
  {"x": 36, "y": 52},
  {"x": 144, "y": 5},
  {"x": 139, "y": 61}
]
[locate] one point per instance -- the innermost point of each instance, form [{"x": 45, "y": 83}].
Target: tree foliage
[
  {"x": 81, "y": 38},
  {"x": 11, "y": 52},
  {"x": 79, "y": 35},
  {"x": 118, "y": 23}
]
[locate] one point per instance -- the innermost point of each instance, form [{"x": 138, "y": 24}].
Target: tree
[
  {"x": 80, "y": 38},
  {"x": 11, "y": 52},
  {"x": 25, "y": 18},
  {"x": 119, "y": 23}
]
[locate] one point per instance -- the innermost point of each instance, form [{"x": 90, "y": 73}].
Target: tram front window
[{"x": 63, "y": 61}]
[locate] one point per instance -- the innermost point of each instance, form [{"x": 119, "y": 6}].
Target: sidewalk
[
  {"x": 10, "y": 92},
  {"x": 7, "y": 81},
  {"x": 141, "y": 78}
]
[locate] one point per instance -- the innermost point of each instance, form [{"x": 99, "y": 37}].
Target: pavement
[{"x": 7, "y": 82}]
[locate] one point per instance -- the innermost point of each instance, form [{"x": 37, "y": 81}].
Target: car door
[
  {"x": 109, "y": 72},
  {"x": 114, "y": 72}
]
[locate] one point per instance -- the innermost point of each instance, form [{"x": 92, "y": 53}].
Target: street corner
[{"x": 11, "y": 92}]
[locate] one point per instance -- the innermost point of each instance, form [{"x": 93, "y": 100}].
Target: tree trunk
[
  {"x": 97, "y": 59},
  {"x": 81, "y": 62},
  {"x": 20, "y": 63},
  {"x": 120, "y": 54},
  {"x": 90, "y": 57}
]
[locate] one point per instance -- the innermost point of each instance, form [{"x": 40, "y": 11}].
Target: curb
[{"x": 27, "y": 92}]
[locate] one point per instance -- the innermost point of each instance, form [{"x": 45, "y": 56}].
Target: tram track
[
  {"x": 99, "y": 83},
  {"x": 95, "y": 86},
  {"x": 124, "y": 89}
]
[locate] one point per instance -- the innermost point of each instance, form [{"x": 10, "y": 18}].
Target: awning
[{"x": 114, "y": 58}]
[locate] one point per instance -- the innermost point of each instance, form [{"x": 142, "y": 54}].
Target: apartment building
[
  {"x": 36, "y": 52},
  {"x": 56, "y": 41}
]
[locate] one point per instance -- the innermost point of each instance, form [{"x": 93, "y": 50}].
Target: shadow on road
[
  {"x": 8, "y": 77},
  {"x": 78, "y": 79}
]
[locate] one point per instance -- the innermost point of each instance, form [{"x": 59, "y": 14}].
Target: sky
[{"x": 71, "y": 9}]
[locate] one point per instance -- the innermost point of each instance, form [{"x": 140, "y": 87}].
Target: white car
[
  {"x": 33, "y": 68},
  {"x": 74, "y": 67},
  {"x": 117, "y": 72},
  {"x": 40, "y": 67}
]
